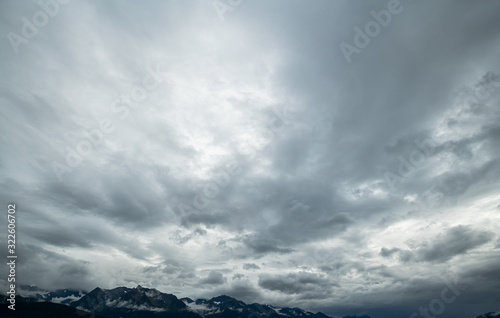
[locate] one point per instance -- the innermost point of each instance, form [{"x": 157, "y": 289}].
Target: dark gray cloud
[
  {"x": 181, "y": 239},
  {"x": 452, "y": 242},
  {"x": 295, "y": 283},
  {"x": 260, "y": 245},
  {"x": 60, "y": 270},
  {"x": 250, "y": 266},
  {"x": 455, "y": 241},
  {"x": 213, "y": 278},
  {"x": 385, "y": 252}
]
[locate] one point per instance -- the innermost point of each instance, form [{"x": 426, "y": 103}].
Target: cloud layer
[{"x": 204, "y": 151}]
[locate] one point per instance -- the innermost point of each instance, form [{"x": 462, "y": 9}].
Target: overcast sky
[{"x": 297, "y": 153}]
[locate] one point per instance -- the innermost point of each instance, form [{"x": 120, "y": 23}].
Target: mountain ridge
[
  {"x": 128, "y": 302},
  {"x": 144, "y": 302}
]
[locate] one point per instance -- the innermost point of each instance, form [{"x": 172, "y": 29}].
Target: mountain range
[{"x": 143, "y": 302}]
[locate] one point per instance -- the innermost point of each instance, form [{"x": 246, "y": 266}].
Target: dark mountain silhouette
[
  {"x": 140, "y": 302},
  {"x": 490, "y": 315},
  {"x": 228, "y": 307},
  {"x": 144, "y": 302},
  {"x": 63, "y": 296},
  {"x": 33, "y": 308},
  {"x": 133, "y": 302}
]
